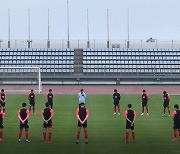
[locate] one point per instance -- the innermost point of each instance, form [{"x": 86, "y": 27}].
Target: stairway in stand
[{"x": 78, "y": 61}]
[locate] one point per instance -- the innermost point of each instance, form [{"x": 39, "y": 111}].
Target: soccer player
[
  {"x": 23, "y": 115},
  {"x": 166, "y": 98},
  {"x": 130, "y": 116},
  {"x": 81, "y": 97},
  {"x": 145, "y": 98},
  {"x": 50, "y": 97},
  {"x": 47, "y": 115},
  {"x": 3, "y": 99},
  {"x": 2, "y": 114},
  {"x": 31, "y": 98},
  {"x": 116, "y": 97},
  {"x": 176, "y": 118},
  {"x": 82, "y": 115}
]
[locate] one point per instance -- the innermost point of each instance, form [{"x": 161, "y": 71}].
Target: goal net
[{"x": 20, "y": 79}]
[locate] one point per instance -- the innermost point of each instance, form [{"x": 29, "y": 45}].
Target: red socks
[
  {"x": 20, "y": 134},
  {"x": 175, "y": 134},
  {"x": 44, "y": 137},
  {"x": 1, "y": 135},
  {"x": 114, "y": 109},
  {"x": 33, "y": 110},
  {"x": 179, "y": 132},
  {"x": 4, "y": 110},
  {"x": 169, "y": 111},
  {"x": 50, "y": 136},
  {"x": 118, "y": 109},
  {"x": 85, "y": 134},
  {"x": 127, "y": 136},
  {"x": 142, "y": 110},
  {"x": 78, "y": 135},
  {"x": 27, "y": 134},
  {"x": 133, "y": 136},
  {"x": 147, "y": 110}
]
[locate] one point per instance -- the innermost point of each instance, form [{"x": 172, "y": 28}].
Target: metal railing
[{"x": 91, "y": 44}]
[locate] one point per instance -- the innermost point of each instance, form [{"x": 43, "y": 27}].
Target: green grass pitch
[{"x": 154, "y": 133}]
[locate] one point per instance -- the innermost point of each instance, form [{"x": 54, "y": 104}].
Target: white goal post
[{"x": 26, "y": 77}]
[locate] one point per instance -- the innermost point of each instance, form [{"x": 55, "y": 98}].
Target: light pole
[
  {"x": 9, "y": 32},
  {"x": 108, "y": 28},
  {"x": 29, "y": 41},
  {"x": 68, "y": 43},
  {"x": 128, "y": 43},
  {"x": 88, "y": 43},
  {"x": 48, "y": 41}
]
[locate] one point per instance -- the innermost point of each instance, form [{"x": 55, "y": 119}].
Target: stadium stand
[{"x": 97, "y": 65}]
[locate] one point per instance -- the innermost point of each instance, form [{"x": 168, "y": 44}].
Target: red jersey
[
  {"x": 2, "y": 114},
  {"x": 145, "y": 97},
  {"x": 50, "y": 97},
  {"x": 31, "y": 96},
  {"x": 82, "y": 114},
  {"x": 130, "y": 114},
  {"x": 47, "y": 113},
  {"x": 166, "y": 98},
  {"x": 23, "y": 114},
  {"x": 176, "y": 116}
]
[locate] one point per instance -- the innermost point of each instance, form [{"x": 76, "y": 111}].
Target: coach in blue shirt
[{"x": 81, "y": 97}]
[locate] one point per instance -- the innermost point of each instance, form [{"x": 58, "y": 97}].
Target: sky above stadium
[{"x": 159, "y": 19}]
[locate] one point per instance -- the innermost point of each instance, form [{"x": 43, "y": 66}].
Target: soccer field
[{"x": 154, "y": 133}]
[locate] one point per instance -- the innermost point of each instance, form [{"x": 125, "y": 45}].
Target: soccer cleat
[
  {"x": 27, "y": 141},
  {"x": 126, "y": 142},
  {"x": 119, "y": 114},
  {"x": 147, "y": 114},
  {"x": 169, "y": 115},
  {"x": 86, "y": 141},
  {"x": 163, "y": 115},
  {"x": 142, "y": 114},
  {"x": 19, "y": 140},
  {"x": 114, "y": 113},
  {"x": 77, "y": 142},
  {"x": 174, "y": 140}
]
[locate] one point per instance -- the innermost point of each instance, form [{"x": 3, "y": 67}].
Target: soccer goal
[{"x": 20, "y": 79}]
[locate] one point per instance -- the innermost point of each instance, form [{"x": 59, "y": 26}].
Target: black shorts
[
  {"x": 51, "y": 104},
  {"x": 84, "y": 125},
  {"x": 165, "y": 105},
  {"x": 25, "y": 125},
  {"x": 116, "y": 103},
  {"x": 128, "y": 126},
  {"x": 3, "y": 104},
  {"x": 144, "y": 104},
  {"x": 47, "y": 125},
  {"x": 176, "y": 126},
  {"x": 32, "y": 103},
  {"x": 1, "y": 125}
]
